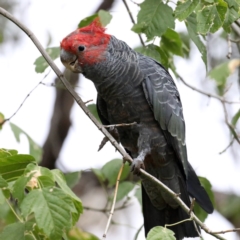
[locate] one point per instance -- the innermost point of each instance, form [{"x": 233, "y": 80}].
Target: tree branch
[{"x": 98, "y": 125}]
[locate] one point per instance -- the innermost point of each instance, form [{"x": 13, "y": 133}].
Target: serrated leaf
[
  {"x": 172, "y": 42},
  {"x": 192, "y": 31},
  {"x": 157, "y": 233},
  {"x": 60, "y": 179},
  {"x": 200, "y": 213},
  {"x": 14, "y": 231},
  {"x": 3, "y": 182},
  {"x": 19, "y": 188},
  {"x": 231, "y": 16},
  {"x": 211, "y": 17},
  {"x": 222, "y": 72},
  {"x": 13, "y": 166},
  {"x": 98, "y": 173},
  {"x": 124, "y": 189},
  {"x": 93, "y": 109},
  {"x": 236, "y": 118},
  {"x": 72, "y": 178},
  {"x": 41, "y": 64},
  {"x": 51, "y": 208},
  {"x": 7, "y": 152},
  {"x": 76, "y": 234},
  {"x": 1, "y": 120},
  {"x": 233, "y": 4},
  {"x": 138, "y": 195},
  {"x": 105, "y": 17},
  {"x": 154, "y": 52},
  {"x": 34, "y": 149},
  {"x": 110, "y": 171},
  {"x": 185, "y": 8},
  {"x": 185, "y": 43},
  {"x": 86, "y": 21},
  {"x": 154, "y": 18}
]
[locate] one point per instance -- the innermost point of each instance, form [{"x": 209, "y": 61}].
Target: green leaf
[
  {"x": 86, "y": 21},
  {"x": 211, "y": 17},
  {"x": 93, "y": 109},
  {"x": 192, "y": 31},
  {"x": 222, "y": 72},
  {"x": 13, "y": 166},
  {"x": 60, "y": 179},
  {"x": 172, "y": 42},
  {"x": 1, "y": 120},
  {"x": 98, "y": 173},
  {"x": 34, "y": 149},
  {"x": 7, "y": 152},
  {"x": 138, "y": 194},
  {"x": 51, "y": 208},
  {"x": 154, "y": 18},
  {"x": 231, "y": 16},
  {"x": 185, "y": 43},
  {"x": 14, "y": 231},
  {"x": 19, "y": 188},
  {"x": 233, "y": 4},
  {"x": 76, "y": 234},
  {"x": 41, "y": 64},
  {"x": 201, "y": 214},
  {"x": 72, "y": 178},
  {"x": 105, "y": 17},
  {"x": 157, "y": 233},
  {"x": 124, "y": 189},
  {"x": 185, "y": 8},
  {"x": 110, "y": 171},
  {"x": 3, "y": 182},
  {"x": 236, "y": 118},
  {"x": 154, "y": 52}
]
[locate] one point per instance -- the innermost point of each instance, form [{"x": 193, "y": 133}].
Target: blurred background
[{"x": 70, "y": 140}]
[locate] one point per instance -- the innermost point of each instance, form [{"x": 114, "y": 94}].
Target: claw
[{"x": 137, "y": 164}]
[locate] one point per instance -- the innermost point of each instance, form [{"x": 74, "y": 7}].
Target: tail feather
[
  {"x": 154, "y": 217},
  {"x": 196, "y": 191}
]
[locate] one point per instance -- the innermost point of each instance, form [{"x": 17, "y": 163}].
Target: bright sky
[{"x": 206, "y": 133}]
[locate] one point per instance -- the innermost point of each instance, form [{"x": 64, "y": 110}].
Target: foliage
[{"x": 43, "y": 204}]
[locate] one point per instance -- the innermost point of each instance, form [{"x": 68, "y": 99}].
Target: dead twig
[
  {"x": 114, "y": 201},
  {"x": 133, "y": 21},
  {"x": 24, "y": 100}
]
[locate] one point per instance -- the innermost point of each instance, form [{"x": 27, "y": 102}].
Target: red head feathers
[{"x": 92, "y": 37}]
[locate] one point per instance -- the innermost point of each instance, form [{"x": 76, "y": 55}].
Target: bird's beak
[{"x": 70, "y": 61}]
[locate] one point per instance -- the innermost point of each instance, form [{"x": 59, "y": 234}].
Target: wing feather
[{"x": 163, "y": 97}]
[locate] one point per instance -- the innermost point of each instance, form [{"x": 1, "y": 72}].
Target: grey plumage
[{"x": 134, "y": 88}]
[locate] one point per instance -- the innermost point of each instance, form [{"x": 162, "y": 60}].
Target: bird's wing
[{"x": 163, "y": 97}]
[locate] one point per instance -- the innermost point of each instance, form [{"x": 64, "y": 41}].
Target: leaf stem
[{"x": 14, "y": 212}]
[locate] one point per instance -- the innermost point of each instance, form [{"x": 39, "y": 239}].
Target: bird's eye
[{"x": 81, "y": 48}]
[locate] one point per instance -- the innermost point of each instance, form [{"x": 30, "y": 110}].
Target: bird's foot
[{"x": 137, "y": 164}]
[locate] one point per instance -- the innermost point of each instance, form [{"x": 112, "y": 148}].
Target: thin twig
[
  {"x": 227, "y": 231},
  {"x": 133, "y": 21},
  {"x": 205, "y": 93},
  {"x": 88, "y": 101},
  {"x": 99, "y": 126},
  {"x": 114, "y": 201},
  {"x": 120, "y": 125},
  {"x": 235, "y": 40},
  {"x": 231, "y": 127},
  {"x": 28, "y": 95},
  {"x": 192, "y": 205},
  {"x": 229, "y": 55},
  {"x": 228, "y": 146}
]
